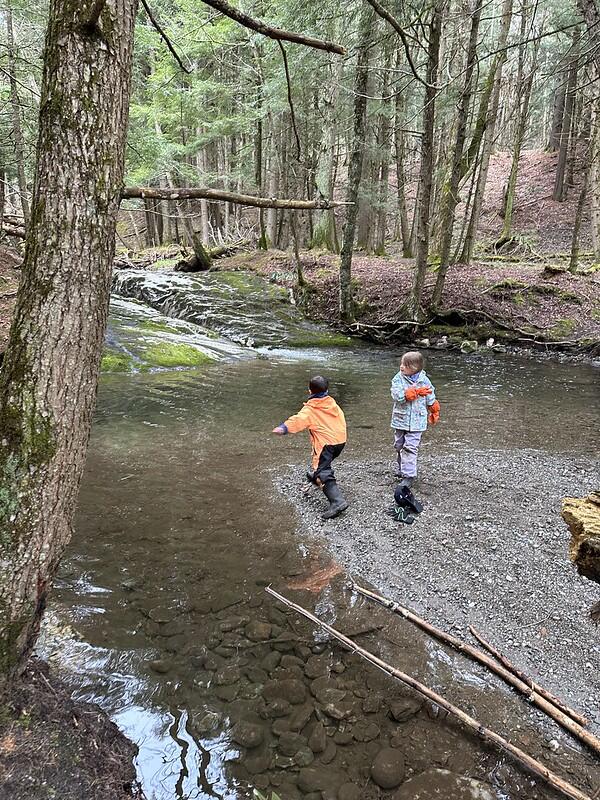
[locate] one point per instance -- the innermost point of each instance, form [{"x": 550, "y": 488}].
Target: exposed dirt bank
[{"x": 53, "y": 747}]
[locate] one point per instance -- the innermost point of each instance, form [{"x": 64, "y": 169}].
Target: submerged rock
[
  {"x": 388, "y": 768},
  {"x": 469, "y": 346},
  {"x": 434, "y": 784},
  {"x": 582, "y": 515},
  {"x": 247, "y": 734}
]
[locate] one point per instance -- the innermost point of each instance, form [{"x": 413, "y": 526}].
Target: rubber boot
[
  {"x": 337, "y": 501},
  {"x": 408, "y": 482}
]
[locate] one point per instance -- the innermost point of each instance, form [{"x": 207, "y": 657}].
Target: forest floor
[
  {"x": 53, "y": 746},
  {"x": 514, "y": 302}
]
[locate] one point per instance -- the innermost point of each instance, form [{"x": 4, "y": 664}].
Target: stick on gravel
[
  {"x": 549, "y": 708},
  {"x": 526, "y": 679},
  {"x": 562, "y": 786}
]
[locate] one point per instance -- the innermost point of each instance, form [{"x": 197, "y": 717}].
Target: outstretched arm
[{"x": 295, "y": 423}]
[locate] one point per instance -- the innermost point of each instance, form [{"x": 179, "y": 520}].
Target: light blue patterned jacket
[{"x": 410, "y": 416}]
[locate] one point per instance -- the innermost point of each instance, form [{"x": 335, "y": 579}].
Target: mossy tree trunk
[{"x": 49, "y": 378}]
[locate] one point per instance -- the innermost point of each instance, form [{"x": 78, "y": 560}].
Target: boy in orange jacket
[{"x": 327, "y": 429}]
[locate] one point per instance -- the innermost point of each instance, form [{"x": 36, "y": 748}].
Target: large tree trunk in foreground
[{"x": 49, "y": 378}]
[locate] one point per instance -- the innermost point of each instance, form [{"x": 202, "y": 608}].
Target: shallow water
[{"x": 179, "y": 529}]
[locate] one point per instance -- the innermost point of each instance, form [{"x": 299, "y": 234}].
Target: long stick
[
  {"x": 535, "y": 766},
  {"x": 191, "y": 192},
  {"x": 477, "y": 655},
  {"x": 526, "y": 679}
]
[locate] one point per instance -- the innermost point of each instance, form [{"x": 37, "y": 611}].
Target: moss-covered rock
[
  {"x": 173, "y": 354},
  {"x": 117, "y": 362},
  {"x": 582, "y": 515}
]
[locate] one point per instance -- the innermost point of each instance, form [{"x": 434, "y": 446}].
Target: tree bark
[
  {"x": 367, "y": 19},
  {"x": 50, "y": 373},
  {"x": 494, "y": 80},
  {"x": 450, "y": 191},
  {"x": 426, "y": 170},
  {"x": 558, "y": 109},
  {"x": 594, "y": 184},
  {"x": 19, "y": 142},
  {"x": 560, "y": 187}
]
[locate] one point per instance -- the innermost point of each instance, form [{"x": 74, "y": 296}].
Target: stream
[{"x": 159, "y": 613}]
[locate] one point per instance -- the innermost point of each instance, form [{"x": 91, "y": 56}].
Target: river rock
[
  {"x": 227, "y": 676},
  {"x": 258, "y": 761},
  {"x": 349, "y": 791},
  {"x": 300, "y": 716},
  {"x": 258, "y": 631},
  {"x": 290, "y": 743},
  {"x": 321, "y": 779},
  {"x": 278, "y": 708},
  {"x": 365, "y": 731},
  {"x": 403, "y": 710},
  {"x": 304, "y": 757},
  {"x": 161, "y": 666},
  {"x": 161, "y": 614},
  {"x": 469, "y": 346},
  {"x": 290, "y": 689},
  {"x": 227, "y": 693},
  {"x": 316, "y": 666},
  {"x": 582, "y": 515},
  {"x": 204, "y": 724},
  {"x": 271, "y": 661},
  {"x": 225, "y": 600},
  {"x": 434, "y": 784},
  {"x": 247, "y": 734},
  {"x": 318, "y": 738},
  {"x": 329, "y": 753},
  {"x": 388, "y": 769}
]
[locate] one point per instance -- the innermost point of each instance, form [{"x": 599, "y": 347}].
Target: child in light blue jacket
[{"x": 414, "y": 406}]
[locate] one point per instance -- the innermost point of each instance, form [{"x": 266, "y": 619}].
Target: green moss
[
  {"x": 562, "y": 329},
  {"x": 169, "y": 354},
  {"x": 156, "y": 325},
  {"x": 116, "y": 362}
]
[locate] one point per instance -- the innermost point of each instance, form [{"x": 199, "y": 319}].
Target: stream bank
[{"x": 54, "y": 747}]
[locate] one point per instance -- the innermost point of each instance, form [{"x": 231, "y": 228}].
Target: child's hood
[
  {"x": 421, "y": 379},
  {"x": 326, "y": 405}
]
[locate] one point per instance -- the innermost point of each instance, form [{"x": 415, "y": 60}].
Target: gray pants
[{"x": 407, "y": 446}]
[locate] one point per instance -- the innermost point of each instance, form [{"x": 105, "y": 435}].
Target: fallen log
[
  {"x": 203, "y": 257},
  {"x": 199, "y": 192},
  {"x": 526, "y": 679},
  {"x": 563, "y": 719},
  {"x": 557, "y": 783}
]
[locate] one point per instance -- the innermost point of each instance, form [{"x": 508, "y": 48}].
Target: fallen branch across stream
[
  {"x": 562, "y": 786},
  {"x": 564, "y": 718},
  {"x": 201, "y": 192},
  {"x": 526, "y": 679}
]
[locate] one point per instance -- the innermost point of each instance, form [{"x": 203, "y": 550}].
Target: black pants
[{"x": 324, "y": 470}]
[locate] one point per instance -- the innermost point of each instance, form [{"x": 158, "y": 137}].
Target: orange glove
[
  {"x": 433, "y": 413},
  {"x": 411, "y": 394}
]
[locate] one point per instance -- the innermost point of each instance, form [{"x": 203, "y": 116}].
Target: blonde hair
[{"x": 413, "y": 359}]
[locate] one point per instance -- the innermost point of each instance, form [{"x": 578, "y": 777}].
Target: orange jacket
[{"x": 325, "y": 422}]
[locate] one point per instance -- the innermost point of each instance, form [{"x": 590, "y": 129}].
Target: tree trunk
[
  {"x": 384, "y": 156},
  {"x": 560, "y": 187},
  {"x": 426, "y": 170},
  {"x": 16, "y": 116},
  {"x": 558, "y": 111},
  {"x": 367, "y": 24},
  {"x": 402, "y": 226},
  {"x": 450, "y": 193},
  {"x": 594, "y": 186},
  {"x": 574, "y": 260},
  {"x": 50, "y": 373},
  {"x": 524, "y": 86},
  {"x": 495, "y": 79}
]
